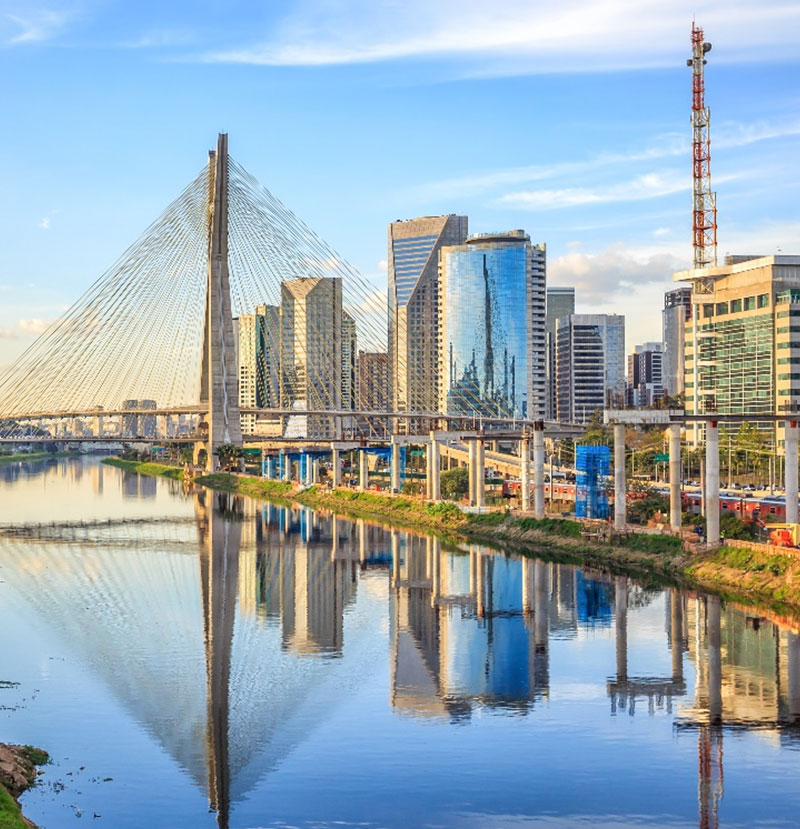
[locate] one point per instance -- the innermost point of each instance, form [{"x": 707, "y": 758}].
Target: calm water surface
[{"x": 197, "y": 660}]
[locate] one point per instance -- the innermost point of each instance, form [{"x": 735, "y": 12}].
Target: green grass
[
  {"x": 252, "y": 487},
  {"x": 37, "y": 756},
  {"x": 554, "y": 526},
  {"x": 486, "y": 519},
  {"x": 174, "y": 472},
  {"x": 10, "y": 815},
  {"x": 752, "y": 562},
  {"x": 647, "y": 543}
]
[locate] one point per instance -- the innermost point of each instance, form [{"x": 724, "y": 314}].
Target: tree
[
  {"x": 455, "y": 483},
  {"x": 229, "y": 454}
]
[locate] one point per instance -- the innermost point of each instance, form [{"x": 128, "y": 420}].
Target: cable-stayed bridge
[{"x": 150, "y": 351}]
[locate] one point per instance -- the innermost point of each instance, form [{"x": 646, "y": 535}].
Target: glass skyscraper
[
  {"x": 491, "y": 327},
  {"x": 413, "y": 258}
]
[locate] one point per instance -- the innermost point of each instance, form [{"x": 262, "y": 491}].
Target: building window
[
  {"x": 736, "y": 306},
  {"x": 708, "y": 310},
  {"x": 763, "y": 300},
  {"x": 722, "y": 308},
  {"x": 749, "y": 303}
]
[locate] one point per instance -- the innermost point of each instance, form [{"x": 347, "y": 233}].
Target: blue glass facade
[
  {"x": 487, "y": 294},
  {"x": 410, "y": 256}
]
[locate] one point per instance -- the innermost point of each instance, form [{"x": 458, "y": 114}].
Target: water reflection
[{"x": 233, "y": 620}]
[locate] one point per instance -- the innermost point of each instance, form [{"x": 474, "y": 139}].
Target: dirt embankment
[{"x": 18, "y": 772}]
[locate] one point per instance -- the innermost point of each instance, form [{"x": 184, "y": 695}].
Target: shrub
[
  {"x": 646, "y": 543},
  {"x": 555, "y": 526},
  {"x": 455, "y": 483}
]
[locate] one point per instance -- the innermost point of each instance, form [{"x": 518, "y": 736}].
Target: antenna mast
[{"x": 704, "y": 202}]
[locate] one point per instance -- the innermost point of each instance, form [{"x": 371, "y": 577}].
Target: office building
[
  {"x": 677, "y": 310},
  {"x": 311, "y": 352},
  {"x": 373, "y": 390},
  {"x": 413, "y": 256},
  {"x": 590, "y": 365},
  {"x": 742, "y": 350},
  {"x": 560, "y": 303},
  {"x": 645, "y": 374},
  {"x": 349, "y": 361},
  {"x": 134, "y": 425},
  {"x": 491, "y": 299},
  {"x": 258, "y": 352}
]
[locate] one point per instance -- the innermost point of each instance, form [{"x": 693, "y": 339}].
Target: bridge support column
[
  {"x": 336, "y": 467},
  {"x": 287, "y": 468},
  {"x": 712, "y": 483},
  {"x": 480, "y": 480},
  {"x": 621, "y": 626},
  {"x": 395, "y": 463},
  {"x": 434, "y": 470},
  {"x": 473, "y": 458},
  {"x": 790, "y": 472},
  {"x": 538, "y": 470},
  {"x": 620, "y": 506},
  {"x": 525, "y": 474},
  {"x": 675, "y": 477},
  {"x": 363, "y": 471},
  {"x": 272, "y": 467}
]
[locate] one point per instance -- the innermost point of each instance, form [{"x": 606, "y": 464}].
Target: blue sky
[{"x": 569, "y": 120}]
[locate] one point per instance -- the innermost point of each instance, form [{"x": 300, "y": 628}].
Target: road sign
[{"x": 661, "y": 458}]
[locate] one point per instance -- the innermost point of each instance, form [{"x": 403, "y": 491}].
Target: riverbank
[
  {"x": 35, "y": 456},
  {"x": 18, "y": 772},
  {"x": 744, "y": 575}
]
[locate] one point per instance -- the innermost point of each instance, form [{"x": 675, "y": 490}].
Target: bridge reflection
[{"x": 233, "y": 622}]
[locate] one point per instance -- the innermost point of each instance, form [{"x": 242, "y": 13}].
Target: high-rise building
[
  {"x": 349, "y": 361},
  {"x": 311, "y": 352},
  {"x": 645, "y": 374},
  {"x": 144, "y": 426},
  {"x": 413, "y": 256},
  {"x": 560, "y": 303},
  {"x": 677, "y": 310},
  {"x": 373, "y": 390},
  {"x": 258, "y": 351},
  {"x": 590, "y": 365},
  {"x": 491, "y": 299},
  {"x": 742, "y": 347}
]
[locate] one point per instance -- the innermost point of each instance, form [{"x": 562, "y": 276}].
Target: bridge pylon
[{"x": 218, "y": 383}]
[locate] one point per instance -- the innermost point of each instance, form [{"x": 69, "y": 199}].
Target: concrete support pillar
[
  {"x": 480, "y": 598},
  {"x": 434, "y": 492},
  {"x": 363, "y": 470},
  {"x": 473, "y": 456},
  {"x": 620, "y": 505},
  {"x": 790, "y": 472},
  {"x": 336, "y": 467},
  {"x": 714, "y": 629},
  {"x": 395, "y": 463},
  {"x": 538, "y": 470},
  {"x": 480, "y": 484},
  {"x": 675, "y": 477},
  {"x": 287, "y": 468},
  {"x": 712, "y": 482},
  {"x": 334, "y": 537},
  {"x": 473, "y": 571},
  {"x": 525, "y": 474},
  {"x": 621, "y": 620}
]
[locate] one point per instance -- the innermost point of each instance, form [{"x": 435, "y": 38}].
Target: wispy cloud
[
  {"x": 647, "y": 186},
  {"x": 518, "y": 35},
  {"x": 671, "y": 145},
  {"x": 34, "y": 326},
  {"x": 32, "y": 25},
  {"x": 45, "y": 223},
  {"x": 8, "y": 334},
  {"x": 160, "y": 39}
]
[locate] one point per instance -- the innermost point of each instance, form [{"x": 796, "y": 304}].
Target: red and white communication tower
[{"x": 704, "y": 202}]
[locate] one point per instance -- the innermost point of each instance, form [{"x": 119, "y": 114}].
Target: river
[{"x": 199, "y": 660}]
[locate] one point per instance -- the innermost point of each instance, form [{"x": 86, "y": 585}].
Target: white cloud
[
  {"x": 660, "y": 232},
  {"x": 33, "y": 25},
  {"x": 647, "y": 186},
  {"x": 45, "y": 223},
  {"x": 34, "y": 326},
  {"x": 383, "y": 265},
  {"x": 8, "y": 334},
  {"x": 160, "y": 39},
  {"x": 520, "y": 35}
]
